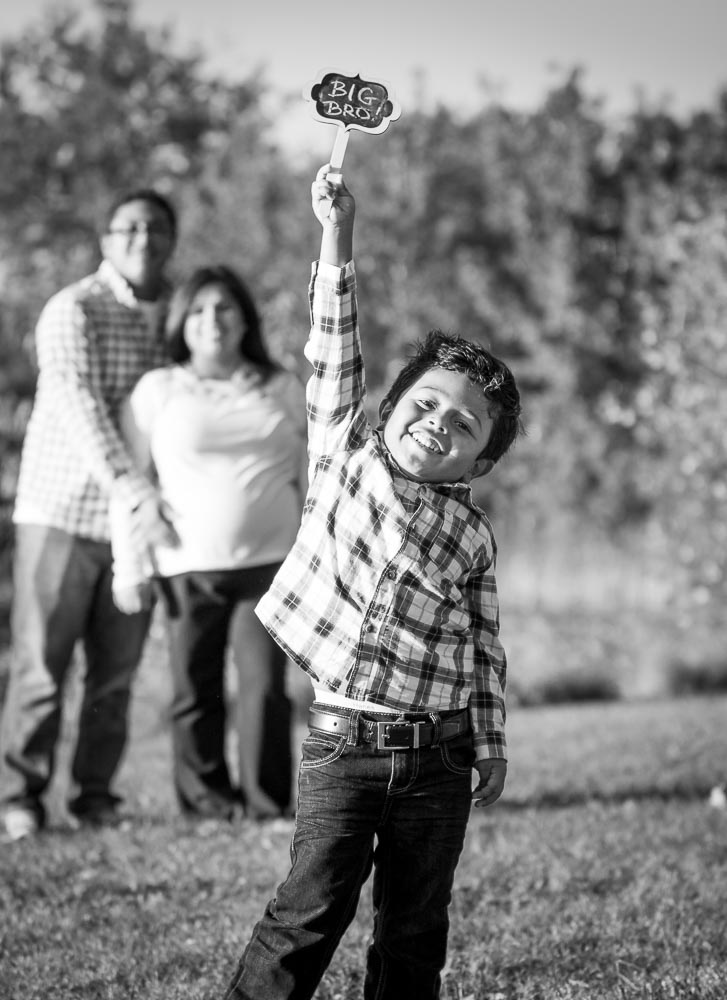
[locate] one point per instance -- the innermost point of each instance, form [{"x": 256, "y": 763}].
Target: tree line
[{"x": 591, "y": 254}]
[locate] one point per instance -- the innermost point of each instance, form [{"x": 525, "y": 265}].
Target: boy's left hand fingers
[{"x": 491, "y": 784}]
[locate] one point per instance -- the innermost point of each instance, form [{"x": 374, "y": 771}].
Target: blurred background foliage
[{"x": 590, "y": 253}]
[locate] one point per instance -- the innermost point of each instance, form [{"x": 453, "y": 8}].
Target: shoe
[
  {"x": 260, "y": 807},
  {"x": 209, "y": 809},
  {"x": 21, "y": 822},
  {"x": 210, "y": 805},
  {"x": 95, "y": 819},
  {"x": 96, "y": 812},
  {"x": 264, "y": 814}
]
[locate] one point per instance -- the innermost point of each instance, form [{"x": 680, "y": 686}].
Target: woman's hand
[
  {"x": 151, "y": 525},
  {"x": 130, "y": 599}
]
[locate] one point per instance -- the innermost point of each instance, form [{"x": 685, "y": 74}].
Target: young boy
[{"x": 388, "y": 601}]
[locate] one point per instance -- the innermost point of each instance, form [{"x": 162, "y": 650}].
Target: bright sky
[{"x": 665, "y": 49}]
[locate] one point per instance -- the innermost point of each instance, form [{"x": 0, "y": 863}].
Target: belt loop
[
  {"x": 437, "y": 722},
  {"x": 352, "y": 740}
]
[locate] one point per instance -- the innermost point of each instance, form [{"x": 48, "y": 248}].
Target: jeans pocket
[
  {"x": 458, "y": 755},
  {"x": 321, "y": 748}
]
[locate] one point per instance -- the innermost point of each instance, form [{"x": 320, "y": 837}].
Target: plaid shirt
[
  {"x": 93, "y": 344},
  {"x": 388, "y": 594}
]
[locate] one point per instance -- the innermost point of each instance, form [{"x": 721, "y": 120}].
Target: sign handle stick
[
  {"x": 336, "y": 161},
  {"x": 339, "y": 150}
]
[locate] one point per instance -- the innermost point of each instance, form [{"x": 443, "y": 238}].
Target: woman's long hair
[{"x": 252, "y": 346}]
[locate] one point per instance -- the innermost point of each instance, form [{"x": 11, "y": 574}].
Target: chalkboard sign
[
  {"x": 353, "y": 103},
  {"x": 349, "y": 103}
]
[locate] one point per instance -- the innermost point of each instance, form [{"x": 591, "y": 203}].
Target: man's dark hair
[
  {"x": 443, "y": 350},
  {"x": 145, "y": 194}
]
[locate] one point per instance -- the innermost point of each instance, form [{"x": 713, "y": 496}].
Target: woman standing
[{"x": 222, "y": 432}]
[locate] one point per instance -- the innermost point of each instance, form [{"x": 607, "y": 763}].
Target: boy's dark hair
[
  {"x": 444, "y": 350},
  {"x": 252, "y": 346},
  {"x": 145, "y": 194}
]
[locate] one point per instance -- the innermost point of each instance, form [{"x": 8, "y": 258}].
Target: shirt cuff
[
  {"x": 484, "y": 753},
  {"x": 330, "y": 272}
]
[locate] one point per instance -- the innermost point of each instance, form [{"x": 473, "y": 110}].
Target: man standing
[{"x": 94, "y": 339}]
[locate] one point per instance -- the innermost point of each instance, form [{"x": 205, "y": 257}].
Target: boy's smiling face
[{"x": 439, "y": 428}]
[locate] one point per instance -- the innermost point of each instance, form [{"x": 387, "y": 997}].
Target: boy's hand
[
  {"x": 333, "y": 203},
  {"x": 492, "y": 781}
]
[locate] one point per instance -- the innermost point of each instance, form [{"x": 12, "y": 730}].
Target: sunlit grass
[
  {"x": 599, "y": 876},
  {"x": 593, "y": 901}
]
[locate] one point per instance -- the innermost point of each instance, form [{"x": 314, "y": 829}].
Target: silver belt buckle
[{"x": 382, "y": 735}]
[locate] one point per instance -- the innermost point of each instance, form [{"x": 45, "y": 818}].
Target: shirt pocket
[
  {"x": 446, "y": 565},
  {"x": 444, "y": 561}
]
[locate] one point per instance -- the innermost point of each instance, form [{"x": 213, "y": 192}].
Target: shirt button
[
  {"x": 391, "y": 573},
  {"x": 446, "y": 584},
  {"x": 370, "y": 627}
]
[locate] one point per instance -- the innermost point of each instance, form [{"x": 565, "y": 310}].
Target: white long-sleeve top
[{"x": 229, "y": 457}]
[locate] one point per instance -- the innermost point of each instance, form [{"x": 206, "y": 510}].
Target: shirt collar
[
  {"x": 122, "y": 290},
  {"x": 460, "y": 490}
]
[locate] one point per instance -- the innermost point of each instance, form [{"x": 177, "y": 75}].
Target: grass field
[{"x": 601, "y": 873}]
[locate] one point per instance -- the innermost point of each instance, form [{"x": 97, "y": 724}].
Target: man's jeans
[
  {"x": 62, "y": 593},
  {"x": 416, "y": 804}
]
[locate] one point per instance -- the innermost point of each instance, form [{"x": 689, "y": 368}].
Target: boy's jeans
[{"x": 416, "y": 803}]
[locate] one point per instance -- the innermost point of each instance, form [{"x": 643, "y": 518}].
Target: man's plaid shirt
[
  {"x": 388, "y": 594},
  {"x": 93, "y": 344}
]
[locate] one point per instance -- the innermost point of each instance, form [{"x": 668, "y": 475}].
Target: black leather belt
[{"x": 387, "y": 732}]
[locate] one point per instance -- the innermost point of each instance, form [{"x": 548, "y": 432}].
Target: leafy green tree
[
  {"x": 592, "y": 256},
  {"x": 680, "y": 410},
  {"x": 470, "y": 227},
  {"x": 87, "y": 112},
  {"x": 652, "y": 279}
]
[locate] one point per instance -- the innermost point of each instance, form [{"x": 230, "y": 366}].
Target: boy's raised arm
[{"x": 334, "y": 207}]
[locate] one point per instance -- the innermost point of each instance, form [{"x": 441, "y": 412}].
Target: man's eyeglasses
[{"x": 151, "y": 229}]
